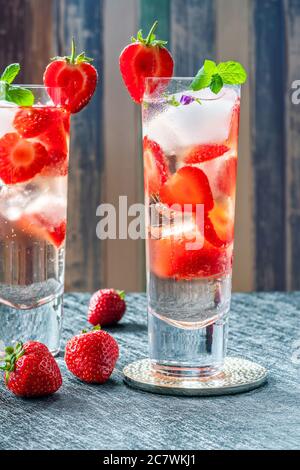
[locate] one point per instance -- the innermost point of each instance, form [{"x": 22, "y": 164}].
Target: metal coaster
[{"x": 238, "y": 376}]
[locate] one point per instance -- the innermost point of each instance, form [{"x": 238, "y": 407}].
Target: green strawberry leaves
[
  {"x": 12, "y": 93},
  {"x": 151, "y": 39},
  {"x": 216, "y": 76},
  {"x": 11, "y": 357},
  {"x": 73, "y": 58}
]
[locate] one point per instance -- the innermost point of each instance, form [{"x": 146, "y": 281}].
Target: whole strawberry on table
[{"x": 30, "y": 370}]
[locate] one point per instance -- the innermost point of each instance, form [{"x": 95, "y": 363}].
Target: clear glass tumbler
[
  {"x": 34, "y": 154},
  {"x": 190, "y": 142}
]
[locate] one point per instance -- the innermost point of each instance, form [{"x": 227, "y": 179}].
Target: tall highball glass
[
  {"x": 190, "y": 142},
  {"x": 34, "y": 153}
]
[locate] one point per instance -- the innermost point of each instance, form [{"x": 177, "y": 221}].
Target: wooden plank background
[{"x": 105, "y": 149}]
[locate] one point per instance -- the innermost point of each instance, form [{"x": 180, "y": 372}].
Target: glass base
[
  {"x": 42, "y": 324},
  {"x": 239, "y": 375},
  {"x": 187, "y": 353}
]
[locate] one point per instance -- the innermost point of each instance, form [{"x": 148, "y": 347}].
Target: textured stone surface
[{"x": 112, "y": 416}]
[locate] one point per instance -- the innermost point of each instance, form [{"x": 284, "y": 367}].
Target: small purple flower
[{"x": 186, "y": 99}]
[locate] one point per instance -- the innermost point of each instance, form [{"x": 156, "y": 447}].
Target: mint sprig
[
  {"x": 12, "y": 93},
  {"x": 10, "y": 73},
  {"x": 215, "y": 76}
]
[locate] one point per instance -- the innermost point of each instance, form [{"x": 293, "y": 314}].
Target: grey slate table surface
[{"x": 264, "y": 328}]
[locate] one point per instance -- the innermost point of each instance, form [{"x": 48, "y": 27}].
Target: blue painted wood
[
  {"x": 264, "y": 328},
  {"x": 83, "y": 20},
  {"x": 193, "y": 34},
  {"x": 293, "y": 143},
  {"x": 269, "y": 143},
  {"x": 153, "y": 10}
]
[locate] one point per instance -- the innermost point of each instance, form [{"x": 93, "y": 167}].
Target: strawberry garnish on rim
[
  {"x": 144, "y": 58},
  {"x": 76, "y": 77},
  {"x": 205, "y": 152},
  {"x": 155, "y": 166}
]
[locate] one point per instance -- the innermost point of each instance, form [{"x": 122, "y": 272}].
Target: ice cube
[
  {"x": 193, "y": 124},
  {"x": 7, "y": 114},
  {"x": 50, "y": 207},
  {"x": 15, "y": 199}
]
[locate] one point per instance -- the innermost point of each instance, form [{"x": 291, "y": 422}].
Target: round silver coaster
[{"x": 238, "y": 376}]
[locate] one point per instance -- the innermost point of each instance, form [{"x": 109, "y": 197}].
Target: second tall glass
[
  {"x": 34, "y": 153},
  {"x": 190, "y": 159}
]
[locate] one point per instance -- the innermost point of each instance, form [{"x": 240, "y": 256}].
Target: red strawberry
[
  {"x": 226, "y": 178},
  {"x": 155, "y": 167},
  {"x": 56, "y": 141},
  {"x": 20, "y": 160},
  {"x": 219, "y": 223},
  {"x": 144, "y": 58},
  {"x": 189, "y": 185},
  {"x": 40, "y": 227},
  {"x": 58, "y": 166},
  {"x": 31, "y": 370},
  {"x": 92, "y": 356},
  {"x": 170, "y": 258},
  {"x": 235, "y": 125},
  {"x": 107, "y": 307},
  {"x": 31, "y": 122},
  {"x": 203, "y": 153},
  {"x": 76, "y": 77}
]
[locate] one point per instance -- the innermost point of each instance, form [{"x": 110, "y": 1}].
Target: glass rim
[
  {"x": 34, "y": 86},
  {"x": 165, "y": 81},
  {"x": 44, "y": 95}
]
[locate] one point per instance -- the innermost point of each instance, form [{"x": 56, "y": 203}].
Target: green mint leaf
[
  {"x": 232, "y": 73},
  {"x": 10, "y": 73},
  {"x": 210, "y": 67},
  {"x": 20, "y": 96},
  {"x": 216, "y": 83},
  {"x": 215, "y": 76},
  {"x": 204, "y": 76}
]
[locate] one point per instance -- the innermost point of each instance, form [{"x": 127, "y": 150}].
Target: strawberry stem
[
  {"x": 73, "y": 52},
  {"x": 121, "y": 294},
  {"x": 151, "y": 32}
]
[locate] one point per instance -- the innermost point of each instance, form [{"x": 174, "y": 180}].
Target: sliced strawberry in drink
[
  {"x": 20, "y": 159},
  {"x": 219, "y": 223},
  {"x": 227, "y": 175},
  {"x": 40, "y": 227},
  {"x": 56, "y": 140},
  {"x": 189, "y": 185},
  {"x": 58, "y": 165},
  {"x": 170, "y": 258},
  {"x": 155, "y": 167},
  {"x": 31, "y": 122},
  {"x": 203, "y": 153},
  {"x": 234, "y": 126}
]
